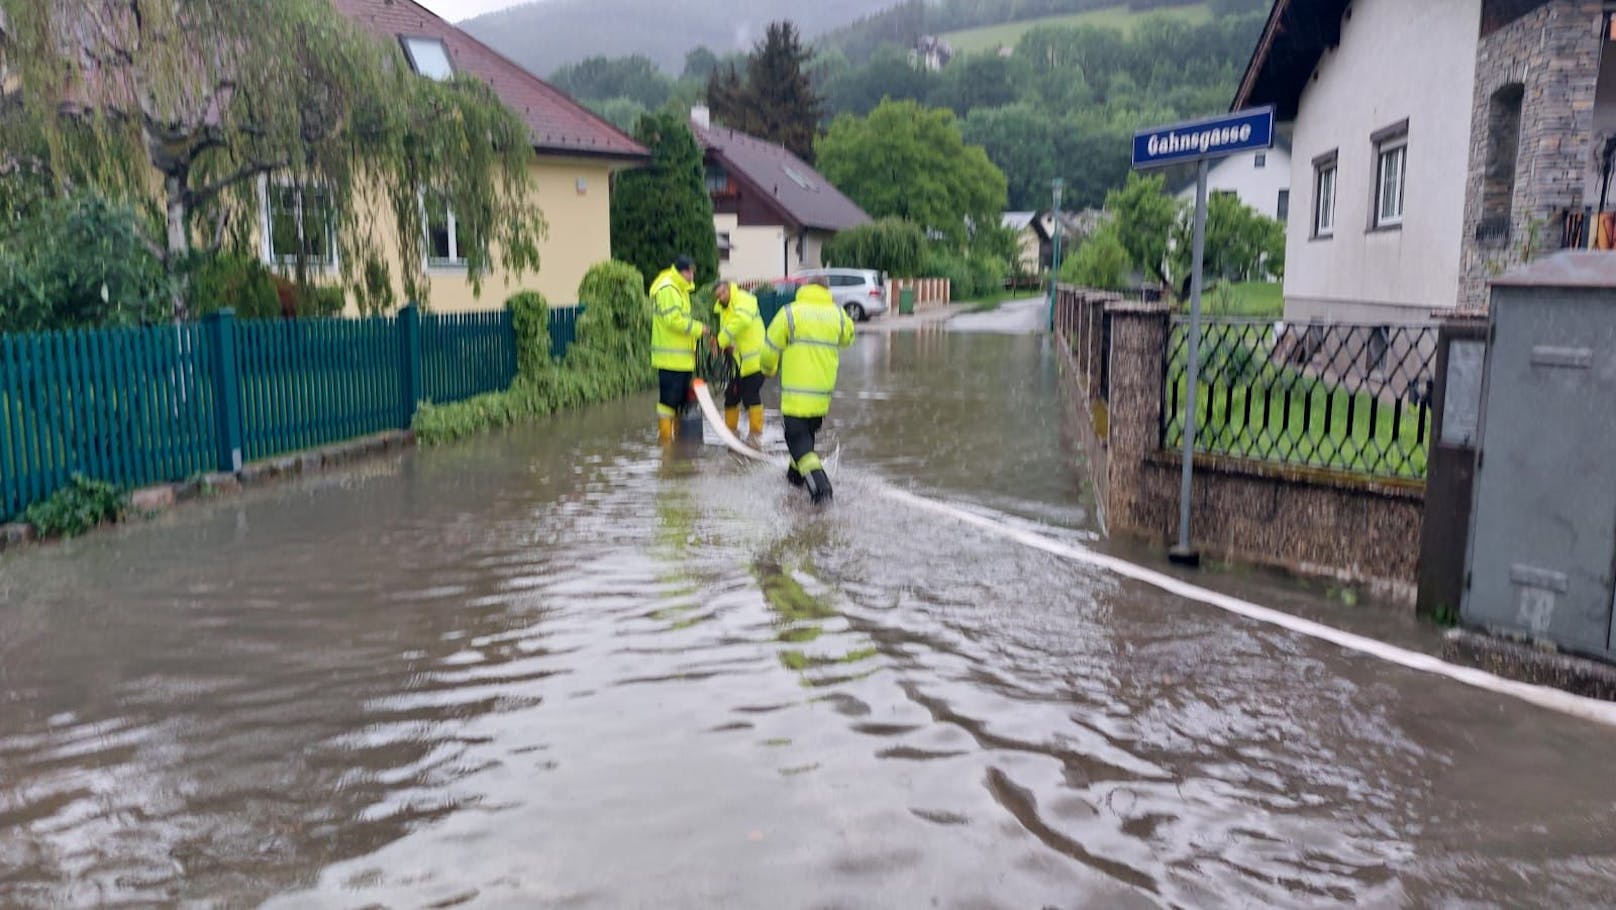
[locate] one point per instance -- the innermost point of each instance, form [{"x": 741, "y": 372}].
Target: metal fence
[
  {"x": 140, "y": 406},
  {"x": 1354, "y": 398}
]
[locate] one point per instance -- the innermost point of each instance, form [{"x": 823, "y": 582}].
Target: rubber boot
[
  {"x": 794, "y": 477},
  {"x": 819, "y": 487},
  {"x": 732, "y": 419},
  {"x": 664, "y": 430},
  {"x": 754, "y": 418}
]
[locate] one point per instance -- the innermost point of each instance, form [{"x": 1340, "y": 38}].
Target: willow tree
[{"x": 193, "y": 107}]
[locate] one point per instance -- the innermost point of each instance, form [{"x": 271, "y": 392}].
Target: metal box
[{"x": 1542, "y": 557}]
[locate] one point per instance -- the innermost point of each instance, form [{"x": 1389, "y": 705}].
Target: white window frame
[
  {"x": 408, "y": 41},
  {"x": 266, "y": 228},
  {"x": 457, "y": 256},
  {"x": 1326, "y": 189},
  {"x": 1391, "y": 181}
]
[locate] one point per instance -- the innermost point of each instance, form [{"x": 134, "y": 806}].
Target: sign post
[{"x": 1200, "y": 142}]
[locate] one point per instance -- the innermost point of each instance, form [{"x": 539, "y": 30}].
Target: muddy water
[{"x": 555, "y": 668}]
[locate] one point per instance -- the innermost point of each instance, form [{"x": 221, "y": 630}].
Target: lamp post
[{"x": 1054, "y": 264}]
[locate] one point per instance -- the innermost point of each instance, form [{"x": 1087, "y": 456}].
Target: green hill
[{"x": 1006, "y": 34}]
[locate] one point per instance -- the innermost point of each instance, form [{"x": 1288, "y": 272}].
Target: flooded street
[{"x": 556, "y": 668}]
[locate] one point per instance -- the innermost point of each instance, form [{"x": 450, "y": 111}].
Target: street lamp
[{"x": 1054, "y": 264}]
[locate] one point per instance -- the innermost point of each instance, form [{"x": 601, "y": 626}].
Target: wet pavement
[{"x": 555, "y": 668}]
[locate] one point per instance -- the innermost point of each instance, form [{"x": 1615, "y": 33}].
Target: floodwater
[{"x": 554, "y": 668}]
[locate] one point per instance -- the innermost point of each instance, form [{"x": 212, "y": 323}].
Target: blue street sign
[{"x": 1202, "y": 139}]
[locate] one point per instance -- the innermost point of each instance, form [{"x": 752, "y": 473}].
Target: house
[
  {"x": 772, "y": 212},
  {"x": 1439, "y": 143},
  {"x": 1031, "y": 239},
  {"x": 1261, "y": 180},
  {"x": 576, "y": 153},
  {"x": 932, "y": 53}
]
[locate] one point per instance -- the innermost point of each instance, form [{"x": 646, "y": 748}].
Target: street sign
[
  {"x": 1202, "y": 139},
  {"x": 1200, "y": 142}
]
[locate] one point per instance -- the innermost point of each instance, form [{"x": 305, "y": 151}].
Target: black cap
[{"x": 683, "y": 263}]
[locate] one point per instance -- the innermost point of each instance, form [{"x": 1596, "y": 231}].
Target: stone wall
[
  {"x": 1312, "y": 522},
  {"x": 1553, "y": 54}
]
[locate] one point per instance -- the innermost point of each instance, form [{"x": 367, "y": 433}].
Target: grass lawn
[
  {"x": 1250, "y": 408},
  {"x": 1254, "y": 299},
  {"x": 1006, "y": 34}
]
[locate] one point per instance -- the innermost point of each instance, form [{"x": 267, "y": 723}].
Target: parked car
[{"x": 860, "y": 292}]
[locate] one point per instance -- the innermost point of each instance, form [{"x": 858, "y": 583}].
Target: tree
[
  {"x": 1145, "y": 219},
  {"x": 777, "y": 101},
  {"x": 599, "y": 78},
  {"x": 888, "y": 74},
  {"x": 204, "y": 99},
  {"x": 889, "y": 245},
  {"x": 1021, "y": 142},
  {"x": 700, "y": 62},
  {"x": 1241, "y": 244},
  {"x": 981, "y": 81},
  {"x": 910, "y": 161},
  {"x": 663, "y": 210},
  {"x": 622, "y": 113},
  {"x": 1100, "y": 262}
]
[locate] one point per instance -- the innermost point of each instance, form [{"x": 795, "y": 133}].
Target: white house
[
  {"x": 1261, "y": 180},
  {"x": 1434, "y": 144}
]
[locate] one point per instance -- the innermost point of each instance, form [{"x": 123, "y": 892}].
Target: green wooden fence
[{"x": 141, "y": 406}]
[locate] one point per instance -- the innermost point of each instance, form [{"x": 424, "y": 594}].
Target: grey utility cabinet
[{"x": 1542, "y": 555}]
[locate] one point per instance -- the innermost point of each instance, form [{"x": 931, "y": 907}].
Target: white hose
[{"x": 1592, "y": 709}]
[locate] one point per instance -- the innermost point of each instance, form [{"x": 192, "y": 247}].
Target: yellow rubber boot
[
  {"x": 732, "y": 419},
  {"x": 754, "y": 417},
  {"x": 664, "y": 429}
]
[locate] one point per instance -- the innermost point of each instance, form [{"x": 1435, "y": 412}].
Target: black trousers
[
  {"x": 673, "y": 388},
  {"x": 747, "y": 390},
  {"x": 800, "y": 435}
]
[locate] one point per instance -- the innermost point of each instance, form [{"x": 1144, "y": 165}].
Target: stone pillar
[{"x": 1139, "y": 334}]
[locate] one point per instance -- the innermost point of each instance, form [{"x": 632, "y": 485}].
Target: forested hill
[{"x": 547, "y": 35}]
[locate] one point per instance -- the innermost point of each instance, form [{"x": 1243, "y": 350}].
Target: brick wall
[{"x": 1553, "y": 53}]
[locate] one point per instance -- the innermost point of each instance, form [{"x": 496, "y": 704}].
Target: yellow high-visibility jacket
[
  {"x": 804, "y": 344},
  {"x": 674, "y": 330},
  {"x": 741, "y": 327}
]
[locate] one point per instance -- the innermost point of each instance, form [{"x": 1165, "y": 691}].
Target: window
[
  {"x": 298, "y": 225},
  {"x": 445, "y": 245},
  {"x": 725, "y": 246},
  {"x": 429, "y": 56},
  {"x": 1503, "y": 156},
  {"x": 1282, "y": 210},
  {"x": 1391, "y": 168},
  {"x": 717, "y": 180},
  {"x": 1262, "y": 160},
  {"x": 1324, "y": 177}
]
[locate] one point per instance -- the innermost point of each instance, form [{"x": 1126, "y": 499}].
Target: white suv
[{"x": 860, "y": 292}]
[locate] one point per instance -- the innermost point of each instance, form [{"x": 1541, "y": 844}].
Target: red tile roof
[{"x": 559, "y": 124}]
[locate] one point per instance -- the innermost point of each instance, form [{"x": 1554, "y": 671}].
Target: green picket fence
[
  {"x": 134, "y": 406},
  {"x": 309, "y": 383},
  {"x": 142, "y": 406}
]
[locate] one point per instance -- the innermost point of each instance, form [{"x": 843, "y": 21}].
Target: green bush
[
  {"x": 891, "y": 245},
  {"x": 971, "y": 277},
  {"x": 80, "y": 506},
  {"x": 610, "y": 357},
  {"x": 240, "y": 282},
  {"x": 1100, "y": 263},
  {"x": 530, "y": 317},
  {"x": 79, "y": 261}
]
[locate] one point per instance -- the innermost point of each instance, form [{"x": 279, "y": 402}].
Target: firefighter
[
  {"x": 804, "y": 345},
  {"x": 741, "y": 334},
  {"x": 674, "y": 333}
]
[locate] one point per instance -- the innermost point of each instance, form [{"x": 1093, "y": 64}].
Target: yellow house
[{"x": 576, "y": 154}]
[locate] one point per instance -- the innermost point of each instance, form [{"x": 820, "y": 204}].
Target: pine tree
[
  {"x": 785, "y": 107},
  {"x": 661, "y": 211},
  {"x": 776, "y": 101}
]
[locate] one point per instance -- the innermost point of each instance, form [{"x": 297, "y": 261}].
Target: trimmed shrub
[
  {"x": 530, "y": 317},
  {"x": 891, "y": 245},
  {"x": 1100, "y": 263},
  {"x": 235, "y": 281}
]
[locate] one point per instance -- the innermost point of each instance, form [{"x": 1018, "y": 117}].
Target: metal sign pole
[
  {"x": 1054, "y": 265},
  {"x": 1183, "y": 554}
]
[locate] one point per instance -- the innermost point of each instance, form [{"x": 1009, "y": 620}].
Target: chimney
[{"x": 701, "y": 116}]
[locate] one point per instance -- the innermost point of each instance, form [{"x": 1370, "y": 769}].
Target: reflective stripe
[
  {"x": 673, "y": 350},
  {"x": 814, "y": 392},
  {"x": 772, "y": 346},
  {"x": 817, "y": 344},
  {"x": 752, "y": 356},
  {"x": 791, "y": 325}
]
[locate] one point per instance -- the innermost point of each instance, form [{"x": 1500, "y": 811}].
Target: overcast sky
[{"x": 456, "y": 10}]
